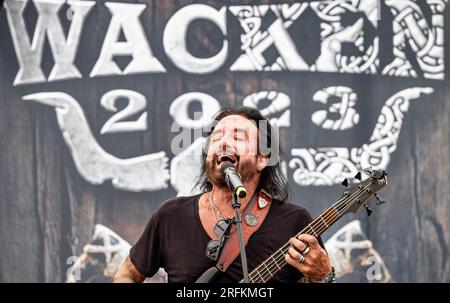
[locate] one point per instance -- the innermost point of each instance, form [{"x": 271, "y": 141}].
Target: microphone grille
[{"x": 225, "y": 165}]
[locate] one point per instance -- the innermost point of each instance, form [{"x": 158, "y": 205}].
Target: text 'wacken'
[
  {"x": 349, "y": 39},
  {"x": 346, "y": 48}
]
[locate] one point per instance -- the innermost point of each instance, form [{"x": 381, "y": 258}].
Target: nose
[{"x": 226, "y": 144}]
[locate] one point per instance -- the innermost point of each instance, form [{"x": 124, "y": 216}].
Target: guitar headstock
[{"x": 357, "y": 196}]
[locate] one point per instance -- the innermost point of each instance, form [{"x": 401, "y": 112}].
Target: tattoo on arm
[{"x": 128, "y": 273}]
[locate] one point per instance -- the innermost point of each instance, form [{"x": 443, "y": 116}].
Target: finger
[
  {"x": 308, "y": 238},
  {"x": 294, "y": 262},
  {"x": 304, "y": 268},
  {"x": 291, "y": 261},
  {"x": 299, "y": 245},
  {"x": 294, "y": 253}
]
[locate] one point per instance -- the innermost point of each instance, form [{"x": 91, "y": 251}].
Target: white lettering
[
  {"x": 174, "y": 39},
  {"x": 48, "y": 23},
  {"x": 125, "y": 17}
]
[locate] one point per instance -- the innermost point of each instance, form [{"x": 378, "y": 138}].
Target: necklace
[{"x": 217, "y": 213}]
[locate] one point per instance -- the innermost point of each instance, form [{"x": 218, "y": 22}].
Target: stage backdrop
[{"x": 102, "y": 105}]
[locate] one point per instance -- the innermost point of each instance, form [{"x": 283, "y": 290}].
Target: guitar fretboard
[
  {"x": 353, "y": 199},
  {"x": 272, "y": 265}
]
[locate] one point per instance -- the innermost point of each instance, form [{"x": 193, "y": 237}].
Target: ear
[{"x": 261, "y": 162}]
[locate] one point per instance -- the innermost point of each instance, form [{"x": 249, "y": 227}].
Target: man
[{"x": 178, "y": 233}]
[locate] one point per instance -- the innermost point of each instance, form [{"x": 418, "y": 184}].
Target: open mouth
[{"x": 226, "y": 158}]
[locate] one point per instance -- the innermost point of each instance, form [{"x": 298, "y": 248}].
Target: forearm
[
  {"x": 128, "y": 273},
  {"x": 125, "y": 278}
]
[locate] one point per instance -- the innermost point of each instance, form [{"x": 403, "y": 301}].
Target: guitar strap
[{"x": 252, "y": 217}]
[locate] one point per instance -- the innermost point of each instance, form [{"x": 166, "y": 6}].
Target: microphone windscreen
[{"x": 224, "y": 166}]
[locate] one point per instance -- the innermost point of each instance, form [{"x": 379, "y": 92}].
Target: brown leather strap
[{"x": 259, "y": 208}]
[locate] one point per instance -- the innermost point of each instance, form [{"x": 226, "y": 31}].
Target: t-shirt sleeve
[{"x": 146, "y": 253}]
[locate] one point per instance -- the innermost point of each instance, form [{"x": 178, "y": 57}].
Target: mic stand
[{"x": 238, "y": 221}]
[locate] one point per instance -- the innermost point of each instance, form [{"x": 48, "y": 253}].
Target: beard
[{"x": 245, "y": 167}]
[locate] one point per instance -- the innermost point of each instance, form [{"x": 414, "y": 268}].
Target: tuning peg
[
  {"x": 358, "y": 176},
  {"x": 379, "y": 201},
  {"x": 345, "y": 182},
  {"x": 369, "y": 171},
  {"x": 368, "y": 209}
]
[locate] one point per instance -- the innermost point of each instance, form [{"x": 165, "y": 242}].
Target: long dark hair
[{"x": 273, "y": 180}]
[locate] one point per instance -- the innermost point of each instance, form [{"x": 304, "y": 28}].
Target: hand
[{"x": 316, "y": 263}]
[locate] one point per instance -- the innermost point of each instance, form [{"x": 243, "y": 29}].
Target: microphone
[{"x": 233, "y": 179}]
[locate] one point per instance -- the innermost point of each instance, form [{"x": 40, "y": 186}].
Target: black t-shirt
[{"x": 176, "y": 240}]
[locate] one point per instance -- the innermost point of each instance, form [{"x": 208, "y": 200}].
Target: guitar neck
[
  {"x": 272, "y": 265},
  {"x": 352, "y": 200}
]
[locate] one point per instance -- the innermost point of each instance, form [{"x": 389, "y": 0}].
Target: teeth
[{"x": 223, "y": 158}]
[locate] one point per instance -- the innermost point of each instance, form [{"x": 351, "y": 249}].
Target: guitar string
[
  {"x": 277, "y": 257},
  {"x": 319, "y": 229},
  {"x": 278, "y": 261},
  {"x": 341, "y": 207}
]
